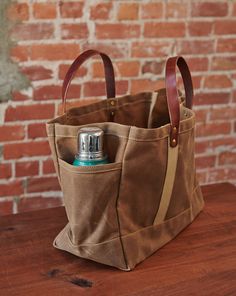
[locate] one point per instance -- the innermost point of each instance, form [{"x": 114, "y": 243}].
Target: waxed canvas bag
[{"x": 122, "y": 212}]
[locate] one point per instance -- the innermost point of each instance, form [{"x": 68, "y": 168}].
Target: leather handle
[
  {"x": 172, "y": 93},
  {"x": 109, "y": 74}
]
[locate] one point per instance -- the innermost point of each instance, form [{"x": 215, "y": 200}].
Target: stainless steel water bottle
[{"x": 90, "y": 147}]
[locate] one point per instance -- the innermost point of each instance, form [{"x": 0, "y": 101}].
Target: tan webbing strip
[{"x": 168, "y": 184}]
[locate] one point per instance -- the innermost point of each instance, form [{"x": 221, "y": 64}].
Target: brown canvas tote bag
[{"x": 122, "y": 212}]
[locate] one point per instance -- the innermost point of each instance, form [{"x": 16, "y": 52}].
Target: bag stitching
[
  {"x": 133, "y": 139},
  {"x": 117, "y": 212}
]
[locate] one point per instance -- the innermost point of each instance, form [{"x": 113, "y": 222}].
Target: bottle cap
[{"x": 90, "y": 144}]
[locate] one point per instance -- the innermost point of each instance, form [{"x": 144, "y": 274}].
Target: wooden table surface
[{"x": 200, "y": 261}]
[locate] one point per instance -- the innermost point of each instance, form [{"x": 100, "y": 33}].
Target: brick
[
  {"x": 153, "y": 67},
  {"x": 176, "y": 10},
  {"x": 11, "y": 133},
  {"x": 201, "y": 115},
  {"x": 150, "y": 49},
  {"x": 217, "y": 81},
  {"x": 200, "y": 28},
  {"x": 234, "y": 96},
  {"x": 122, "y": 69},
  {"x": 74, "y": 91},
  {"x": 33, "y": 31},
  {"x": 71, "y": 9},
  {"x": 114, "y": 50},
  {"x": 142, "y": 85},
  {"x": 11, "y": 188},
  {"x": 48, "y": 92},
  {"x": 5, "y": 171},
  {"x": 18, "y": 12},
  {"x": 37, "y": 203},
  {"x": 74, "y": 31},
  {"x": 220, "y": 144},
  {"x": 226, "y": 174},
  {"x": 127, "y": 68},
  {"x": 225, "y": 27},
  {"x": 20, "y": 53},
  {"x": 94, "y": 88},
  {"x": 63, "y": 68},
  {"x": 198, "y": 64},
  {"x": 227, "y": 158},
  {"x": 206, "y": 9},
  {"x": 196, "y": 46},
  {"x": 48, "y": 167},
  {"x": 164, "y": 30},
  {"x": 37, "y": 130},
  {"x": 35, "y": 73},
  {"x": 212, "y": 98},
  {"x": 152, "y": 10},
  {"x": 55, "y": 52},
  {"x": 223, "y": 113},
  {"x": 122, "y": 87},
  {"x": 30, "y": 112},
  {"x": 117, "y": 31},
  {"x": 226, "y": 45},
  {"x": 26, "y": 149},
  {"x": 205, "y": 161},
  {"x": 196, "y": 81},
  {"x": 6, "y": 207},
  {"x": 97, "y": 88},
  {"x": 40, "y": 184},
  {"x": 27, "y": 168},
  {"x": 234, "y": 9},
  {"x": 44, "y": 10},
  {"x": 100, "y": 11},
  {"x": 19, "y": 96},
  {"x": 128, "y": 11},
  {"x": 98, "y": 70},
  {"x": 213, "y": 129},
  {"x": 224, "y": 63}
]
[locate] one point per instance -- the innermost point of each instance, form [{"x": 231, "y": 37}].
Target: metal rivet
[
  {"x": 174, "y": 129},
  {"x": 112, "y": 103},
  {"x": 174, "y": 141},
  {"x": 112, "y": 113}
]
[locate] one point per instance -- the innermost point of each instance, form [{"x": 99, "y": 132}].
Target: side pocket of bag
[{"x": 90, "y": 197}]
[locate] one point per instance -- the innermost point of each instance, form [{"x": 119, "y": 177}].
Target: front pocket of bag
[{"x": 90, "y": 196}]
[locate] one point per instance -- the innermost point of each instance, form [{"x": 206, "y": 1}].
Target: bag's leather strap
[
  {"x": 109, "y": 74},
  {"x": 172, "y": 93}
]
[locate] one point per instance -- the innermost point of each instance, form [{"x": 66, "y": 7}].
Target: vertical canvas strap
[{"x": 172, "y": 159}]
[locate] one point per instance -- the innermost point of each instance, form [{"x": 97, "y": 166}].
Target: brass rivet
[
  {"x": 112, "y": 113},
  {"x": 174, "y": 129},
  {"x": 174, "y": 141},
  {"x": 112, "y": 103}
]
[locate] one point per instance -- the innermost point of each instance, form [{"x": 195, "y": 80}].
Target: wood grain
[{"x": 200, "y": 261}]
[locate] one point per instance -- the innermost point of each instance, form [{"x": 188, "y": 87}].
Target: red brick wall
[{"x": 138, "y": 35}]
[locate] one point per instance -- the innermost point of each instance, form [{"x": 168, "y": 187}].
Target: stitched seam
[
  {"x": 117, "y": 212},
  {"x": 91, "y": 172},
  {"x": 133, "y": 139},
  {"x": 56, "y": 152}
]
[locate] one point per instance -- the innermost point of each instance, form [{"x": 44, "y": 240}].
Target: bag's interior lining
[{"x": 145, "y": 110}]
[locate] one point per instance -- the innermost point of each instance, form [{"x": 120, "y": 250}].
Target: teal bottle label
[{"x": 90, "y": 162}]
